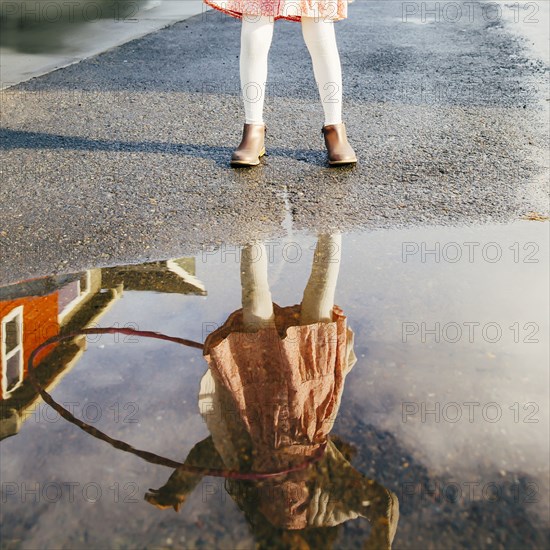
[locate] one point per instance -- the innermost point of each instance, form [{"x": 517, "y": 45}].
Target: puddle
[{"x": 441, "y": 430}]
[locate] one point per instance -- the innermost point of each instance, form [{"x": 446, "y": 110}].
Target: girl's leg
[
  {"x": 256, "y": 297},
  {"x": 320, "y": 38},
  {"x": 256, "y": 37},
  {"x": 318, "y": 299}
]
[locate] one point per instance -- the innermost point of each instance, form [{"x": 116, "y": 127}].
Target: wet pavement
[
  {"x": 288, "y": 356},
  {"x": 125, "y": 156}
]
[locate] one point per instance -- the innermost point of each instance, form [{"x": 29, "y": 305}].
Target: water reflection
[
  {"x": 467, "y": 481},
  {"x": 36, "y": 310},
  {"x": 269, "y": 398}
]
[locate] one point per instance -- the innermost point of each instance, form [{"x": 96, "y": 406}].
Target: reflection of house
[
  {"x": 33, "y": 311},
  {"x": 175, "y": 276}
]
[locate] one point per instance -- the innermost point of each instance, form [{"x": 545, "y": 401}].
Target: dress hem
[
  {"x": 233, "y": 325},
  {"x": 239, "y": 15}
]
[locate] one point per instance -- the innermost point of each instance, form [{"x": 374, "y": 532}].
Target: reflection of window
[
  {"x": 12, "y": 350},
  {"x": 71, "y": 294}
]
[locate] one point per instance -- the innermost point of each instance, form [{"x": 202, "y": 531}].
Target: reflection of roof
[
  {"x": 35, "y": 287},
  {"x": 173, "y": 276}
]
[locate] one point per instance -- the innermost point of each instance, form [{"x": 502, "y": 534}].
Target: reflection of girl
[
  {"x": 270, "y": 397},
  {"x": 317, "y": 21}
]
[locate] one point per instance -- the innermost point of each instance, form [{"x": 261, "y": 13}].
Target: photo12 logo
[
  {"x": 460, "y": 492},
  {"x": 453, "y": 252},
  {"x": 52, "y": 492},
  {"x": 70, "y": 11},
  {"x": 271, "y": 251},
  {"x": 468, "y": 411},
  {"x": 453, "y": 332},
  {"x": 89, "y": 411},
  {"x": 470, "y": 12}
]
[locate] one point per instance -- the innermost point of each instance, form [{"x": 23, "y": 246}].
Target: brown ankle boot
[
  {"x": 252, "y": 147},
  {"x": 338, "y": 147}
]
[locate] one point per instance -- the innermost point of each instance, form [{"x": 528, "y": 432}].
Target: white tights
[
  {"x": 318, "y": 299},
  {"x": 320, "y": 39}
]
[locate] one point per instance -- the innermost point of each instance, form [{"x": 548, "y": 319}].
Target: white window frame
[
  {"x": 16, "y": 313},
  {"x": 83, "y": 293}
]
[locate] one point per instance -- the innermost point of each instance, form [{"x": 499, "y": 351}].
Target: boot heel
[
  {"x": 252, "y": 146},
  {"x": 339, "y": 151}
]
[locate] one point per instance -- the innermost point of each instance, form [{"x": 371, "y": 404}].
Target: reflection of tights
[
  {"x": 318, "y": 298},
  {"x": 320, "y": 39}
]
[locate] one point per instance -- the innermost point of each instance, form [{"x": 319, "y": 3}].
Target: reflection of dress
[
  {"x": 273, "y": 395},
  {"x": 270, "y": 399},
  {"x": 286, "y": 381}
]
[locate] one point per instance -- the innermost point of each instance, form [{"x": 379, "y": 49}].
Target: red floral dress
[{"x": 291, "y": 10}]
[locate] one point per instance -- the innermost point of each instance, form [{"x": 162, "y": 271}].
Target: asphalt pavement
[{"x": 124, "y": 157}]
